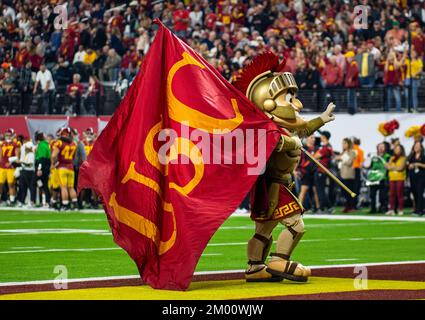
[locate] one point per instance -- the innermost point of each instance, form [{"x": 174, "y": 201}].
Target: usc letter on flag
[{"x": 163, "y": 166}]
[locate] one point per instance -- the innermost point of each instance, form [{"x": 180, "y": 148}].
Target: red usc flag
[{"x": 164, "y": 206}]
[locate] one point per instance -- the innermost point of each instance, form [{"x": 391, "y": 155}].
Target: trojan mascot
[{"x": 272, "y": 199}]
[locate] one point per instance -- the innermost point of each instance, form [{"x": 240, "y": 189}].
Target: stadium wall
[
  {"x": 365, "y": 127},
  {"x": 361, "y": 125},
  {"x": 27, "y": 125}
]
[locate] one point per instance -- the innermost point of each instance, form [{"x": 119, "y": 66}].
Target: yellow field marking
[{"x": 216, "y": 290}]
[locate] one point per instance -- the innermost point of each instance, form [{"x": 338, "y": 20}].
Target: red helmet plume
[{"x": 266, "y": 61}]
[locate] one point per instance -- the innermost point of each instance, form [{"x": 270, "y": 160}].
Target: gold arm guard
[
  {"x": 286, "y": 144},
  {"x": 311, "y": 126}
]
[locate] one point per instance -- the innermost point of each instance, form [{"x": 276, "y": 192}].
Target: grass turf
[{"x": 32, "y": 244}]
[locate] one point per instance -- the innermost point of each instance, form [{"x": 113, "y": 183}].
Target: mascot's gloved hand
[
  {"x": 328, "y": 116},
  {"x": 298, "y": 143}
]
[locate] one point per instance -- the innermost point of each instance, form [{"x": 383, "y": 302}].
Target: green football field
[{"x": 33, "y": 243}]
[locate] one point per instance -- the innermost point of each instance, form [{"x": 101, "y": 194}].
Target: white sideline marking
[
  {"x": 348, "y": 217},
  {"x": 309, "y": 226},
  {"x": 23, "y": 248},
  {"x": 49, "y": 231},
  {"x": 346, "y": 259},
  {"x": 77, "y": 250},
  {"x": 47, "y": 221},
  {"x": 48, "y": 210},
  {"x": 22, "y": 283}
]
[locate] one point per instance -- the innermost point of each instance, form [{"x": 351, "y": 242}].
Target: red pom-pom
[{"x": 423, "y": 130}]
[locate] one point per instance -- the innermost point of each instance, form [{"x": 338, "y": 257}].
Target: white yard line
[
  {"x": 346, "y": 259},
  {"x": 368, "y": 218},
  {"x": 4, "y": 284}
]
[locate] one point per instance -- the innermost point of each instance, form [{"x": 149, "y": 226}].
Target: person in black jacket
[
  {"x": 25, "y": 86},
  {"x": 416, "y": 166}
]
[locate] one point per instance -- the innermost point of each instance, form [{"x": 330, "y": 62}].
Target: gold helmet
[{"x": 270, "y": 89}]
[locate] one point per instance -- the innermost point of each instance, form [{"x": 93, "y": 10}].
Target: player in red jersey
[
  {"x": 62, "y": 157},
  {"x": 10, "y": 152}
]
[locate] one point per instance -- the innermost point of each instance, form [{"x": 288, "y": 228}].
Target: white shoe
[
  {"x": 400, "y": 213},
  {"x": 390, "y": 213}
]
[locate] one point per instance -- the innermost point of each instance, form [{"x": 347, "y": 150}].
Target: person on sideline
[
  {"x": 416, "y": 166},
  {"x": 397, "y": 175},
  {"x": 347, "y": 173}
]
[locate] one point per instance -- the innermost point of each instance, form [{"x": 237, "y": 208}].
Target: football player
[
  {"x": 10, "y": 152},
  {"x": 62, "y": 159}
]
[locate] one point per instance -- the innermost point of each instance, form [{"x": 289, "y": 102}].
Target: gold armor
[{"x": 275, "y": 93}]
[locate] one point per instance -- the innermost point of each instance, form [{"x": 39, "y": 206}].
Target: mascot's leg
[
  {"x": 280, "y": 264},
  {"x": 258, "y": 250}
]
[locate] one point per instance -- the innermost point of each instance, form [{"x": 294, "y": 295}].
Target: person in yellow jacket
[
  {"x": 413, "y": 73},
  {"x": 397, "y": 175}
]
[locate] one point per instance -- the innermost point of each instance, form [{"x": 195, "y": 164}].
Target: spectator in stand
[
  {"x": 181, "y": 20},
  {"x": 25, "y": 84},
  {"x": 366, "y": 64},
  {"x": 121, "y": 85},
  {"x": 351, "y": 82},
  {"x": 332, "y": 78},
  {"x": 196, "y": 16},
  {"x": 412, "y": 82},
  {"x": 396, "y": 167},
  {"x": 347, "y": 173},
  {"x": 111, "y": 66},
  {"x": 93, "y": 96},
  {"x": 392, "y": 78},
  {"x": 416, "y": 167},
  {"x": 7, "y": 84},
  {"x": 44, "y": 82},
  {"x": 74, "y": 93},
  {"x": 395, "y": 33}
]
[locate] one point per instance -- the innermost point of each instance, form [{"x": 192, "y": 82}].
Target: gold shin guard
[
  {"x": 280, "y": 264},
  {"x": 258, "y": 250}
]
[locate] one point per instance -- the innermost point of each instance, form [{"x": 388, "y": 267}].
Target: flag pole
[{"x": 329, "y": 173}]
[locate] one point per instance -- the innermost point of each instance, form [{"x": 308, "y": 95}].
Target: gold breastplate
[{"x": 282, "y": 164}]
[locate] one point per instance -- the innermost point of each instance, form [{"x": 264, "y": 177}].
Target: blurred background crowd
[{"x": 87, "y": 67}]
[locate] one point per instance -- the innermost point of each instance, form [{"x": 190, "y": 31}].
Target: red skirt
[{"x": 288, "y": 204}]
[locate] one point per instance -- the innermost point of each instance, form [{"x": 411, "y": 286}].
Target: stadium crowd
[{"x": 105, "y": 42}]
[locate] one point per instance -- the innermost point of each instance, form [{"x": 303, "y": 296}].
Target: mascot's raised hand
[{"x": 328, "y": 115}]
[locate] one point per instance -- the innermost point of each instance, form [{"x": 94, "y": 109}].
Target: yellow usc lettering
[{"x": 183, "y": 114}]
